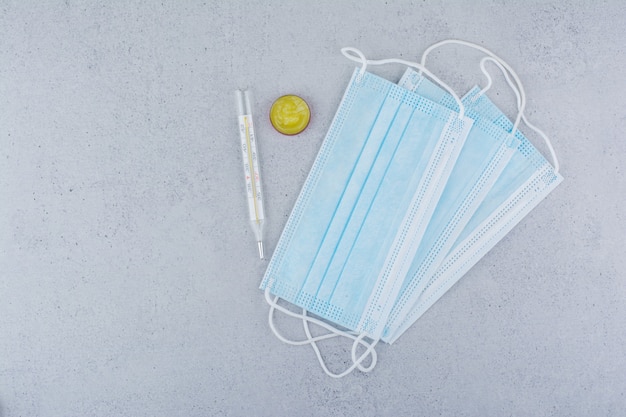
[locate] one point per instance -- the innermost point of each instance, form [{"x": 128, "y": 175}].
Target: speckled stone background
[{"x": 128, "y": 272}]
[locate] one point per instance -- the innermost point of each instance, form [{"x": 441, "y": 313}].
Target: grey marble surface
[{"x": 128, "y": 272}]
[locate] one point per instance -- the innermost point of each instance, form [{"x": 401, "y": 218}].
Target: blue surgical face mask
[
  {"x": 485, "y": 154},
  {"x": 385, "y": 185},
  {"x": 366, "y": 203},
  {"x": 526, "y": 180}
]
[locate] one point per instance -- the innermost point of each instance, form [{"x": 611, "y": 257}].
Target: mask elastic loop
[
  {"x": 310, "y": 340},
  {"x": 518, "y": 83},
  {"x": 350, "y": 53},
  {"x": 521, "y": 100},
  {"x": 356, "y": 362},
  {"x": 274, "y": 306},
  {"x": 479, "y": 48},
  {"x": 519, "y": 95},
  {"x": 355, "y": 55}
]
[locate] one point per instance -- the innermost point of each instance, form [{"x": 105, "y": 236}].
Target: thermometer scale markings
[
  {"x": 252, "y": 176},
  {"x": 250, "y": 159}
]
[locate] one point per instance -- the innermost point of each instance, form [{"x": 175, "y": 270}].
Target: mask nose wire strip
[
  {"x": 520, "y": 100},
  {"x": 355, "y": 55},
  {"x": 358, "y": 339},
  {"x": 510, "y": 71}
]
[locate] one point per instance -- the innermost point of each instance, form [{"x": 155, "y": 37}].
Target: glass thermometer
[{"x": 251, "y": 167}]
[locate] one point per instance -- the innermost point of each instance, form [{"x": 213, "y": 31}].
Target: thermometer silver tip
[{"x": 261, "y": 255}]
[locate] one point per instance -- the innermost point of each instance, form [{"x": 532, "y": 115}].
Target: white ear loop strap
[
  {"x": 355, "y": 55},
  {"x": 519, "y": 100},
  {"x": 356, "y": 363},
  {"x": 479, "y": 48},
  {"x": 358, "y": 339},
  {"x": 509, "y": 70}
]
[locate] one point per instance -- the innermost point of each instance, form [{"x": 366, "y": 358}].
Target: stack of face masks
[{"x": 411, "y": 187}]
